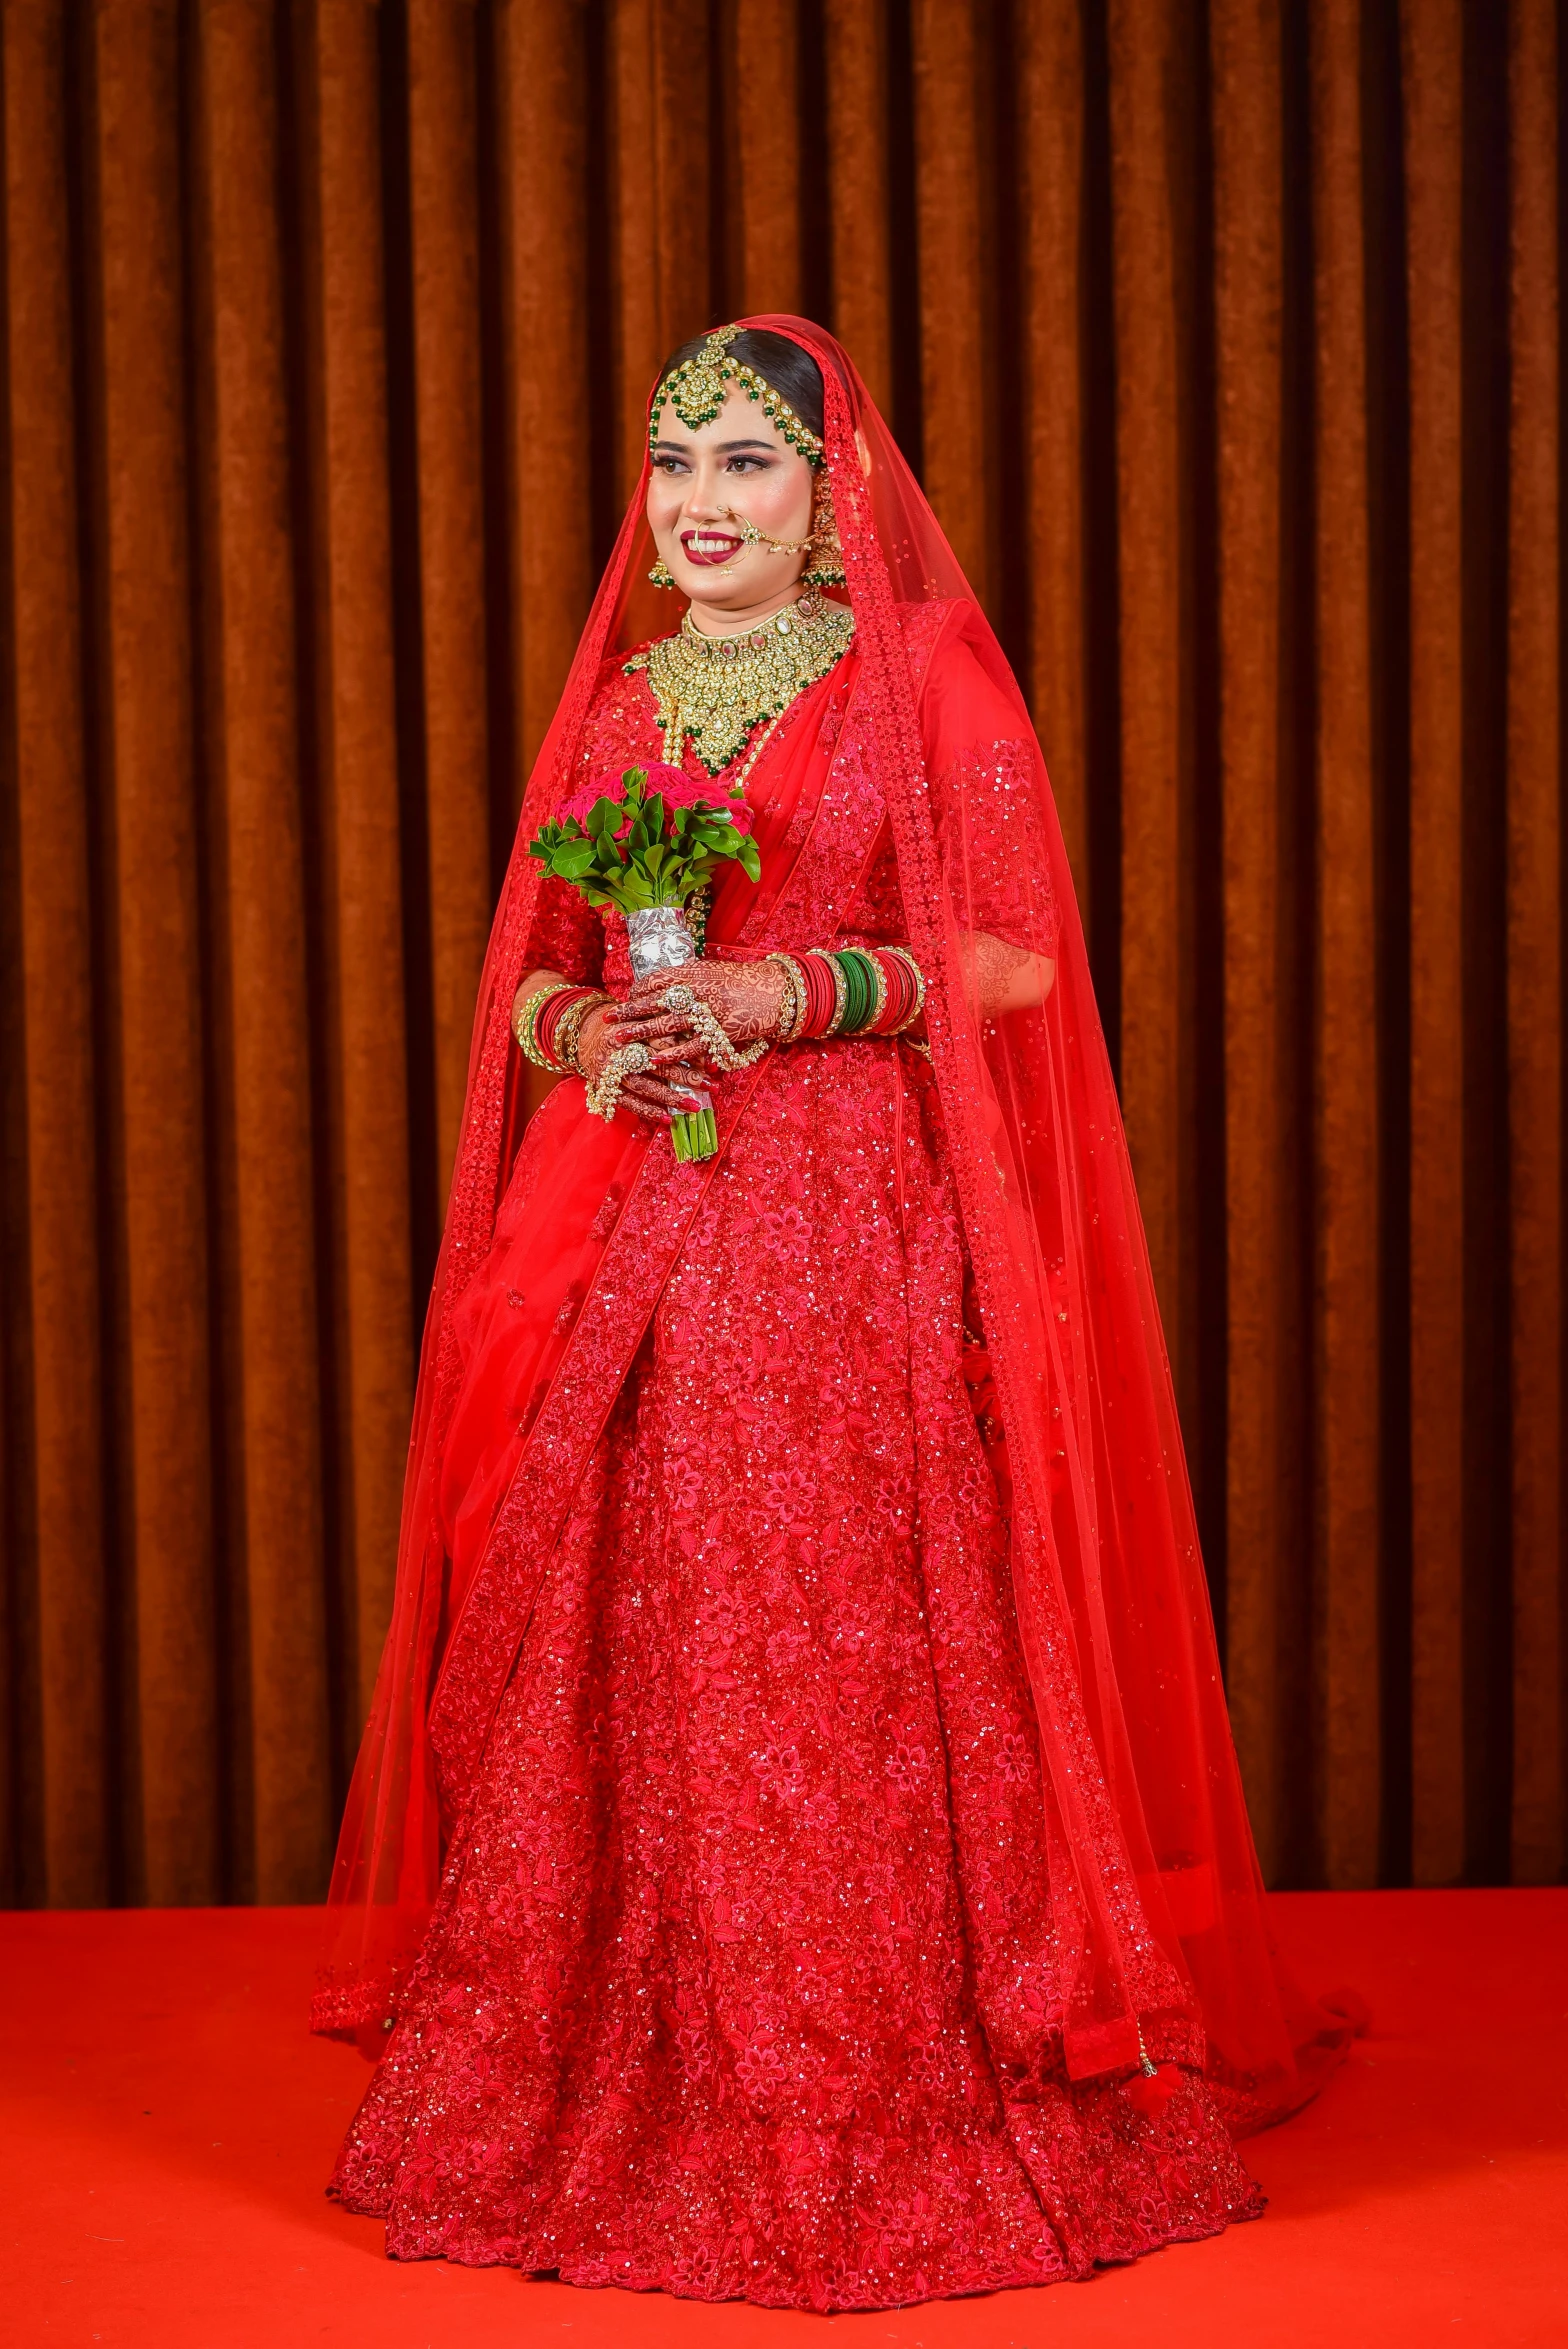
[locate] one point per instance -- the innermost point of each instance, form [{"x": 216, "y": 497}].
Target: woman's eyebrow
[{"x": 726, "y": 448}]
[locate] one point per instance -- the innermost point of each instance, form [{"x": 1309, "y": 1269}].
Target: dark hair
[{"x": 783, "y": 364}]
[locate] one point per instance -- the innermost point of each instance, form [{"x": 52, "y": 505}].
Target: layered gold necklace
[{"x": 715, "y": 690}]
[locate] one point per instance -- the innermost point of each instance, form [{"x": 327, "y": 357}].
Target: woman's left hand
[{"x": 744, "y": 997}]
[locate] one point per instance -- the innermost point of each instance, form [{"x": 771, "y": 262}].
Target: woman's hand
[
  {"x": 660, "y": 1092},
  {"x": 744, "y": 997}
]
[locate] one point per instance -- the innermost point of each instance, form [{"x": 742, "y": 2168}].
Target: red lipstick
[{"x": 717, "y": 547}]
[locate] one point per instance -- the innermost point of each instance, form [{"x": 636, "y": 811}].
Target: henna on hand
[
  {"x": 744, "y": 997},
  {"x": 658, "y": 1093}
]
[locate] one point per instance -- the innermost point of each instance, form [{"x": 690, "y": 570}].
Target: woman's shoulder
[
  {"x": 943, "y": 636},
  {"x": 621, "y": 711},
  {"x": 961, "y": 682}
]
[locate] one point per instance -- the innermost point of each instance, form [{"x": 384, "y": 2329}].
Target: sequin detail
[{"x": 743, "y": 1977}]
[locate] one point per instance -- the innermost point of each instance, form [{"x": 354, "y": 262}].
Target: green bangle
[
  {"x": 853, "y": 1005},
  {"x": 876, "y": 994},
  {"x": 844, "y": 979},
  {"x": 858, "y": 989}
]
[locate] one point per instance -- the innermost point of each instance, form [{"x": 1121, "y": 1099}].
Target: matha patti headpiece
[{"x": 695, "y": 390}]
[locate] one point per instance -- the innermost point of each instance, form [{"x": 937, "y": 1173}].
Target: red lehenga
[{"x": 798, "y": 1806}]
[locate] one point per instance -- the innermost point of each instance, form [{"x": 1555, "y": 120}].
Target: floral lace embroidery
[{"x": 745, "y": 1975}]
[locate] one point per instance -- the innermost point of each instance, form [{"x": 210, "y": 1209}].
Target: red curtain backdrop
[{"x": 1227, "y": 342}]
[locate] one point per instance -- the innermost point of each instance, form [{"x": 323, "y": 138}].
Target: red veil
[{"x": 1155, "y": 1887}]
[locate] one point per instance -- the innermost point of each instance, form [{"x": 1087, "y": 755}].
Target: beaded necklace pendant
[{"x": 714, "y": 691}]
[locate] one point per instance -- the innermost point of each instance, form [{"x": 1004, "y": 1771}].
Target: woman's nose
[{"x": 704, "y": 503}]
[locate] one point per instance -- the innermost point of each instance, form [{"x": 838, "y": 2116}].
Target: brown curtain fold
[
  {"x": 1431, "y": 46},
  {"x": 446, "y": 385},
  {"x": 1152, "y": 98},
  {"x": 55, "y": 1768},
  {"x": 258, "y": 987},
  {"x": 1265, "y": 1327},
  {"x": 1534, "y": 949},
  {"x": 1226, "y": 338}
]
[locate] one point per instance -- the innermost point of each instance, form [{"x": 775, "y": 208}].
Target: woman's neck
[{"x": 709, "y": 621}]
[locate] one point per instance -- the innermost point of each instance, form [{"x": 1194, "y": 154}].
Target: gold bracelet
[
  {"x": 710, "y": 1034},
  {"x": 525, "y": 1019},
  {"x": 604, "y": 1095},
  {"x": 569, "y": 1032},
  {"x": 792, "y": 1011},
  {"x": 840, "y": 990}
]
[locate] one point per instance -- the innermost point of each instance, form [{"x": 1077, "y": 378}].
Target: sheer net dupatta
[
  {"x": 1154, "y": 1885},
  {"x": 1154, "y": 1881}
]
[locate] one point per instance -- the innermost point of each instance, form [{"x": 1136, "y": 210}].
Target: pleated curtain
[{"x": 1227, "y": 342}]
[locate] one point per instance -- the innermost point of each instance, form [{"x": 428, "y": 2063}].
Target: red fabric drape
[{"x": 1154, "y": 1882}]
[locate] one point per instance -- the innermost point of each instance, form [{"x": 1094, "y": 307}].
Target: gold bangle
[
  {"x": 525, "y": 1020},
  {"x": 569, "y": 1032},
  {"x": 792, "y": 1011},
  {"x": 840, "y": 990}
]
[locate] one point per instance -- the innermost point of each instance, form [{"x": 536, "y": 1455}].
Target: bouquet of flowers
[
  {"x": 650, "y": 837},
  {"x": 647, "y": 842}
]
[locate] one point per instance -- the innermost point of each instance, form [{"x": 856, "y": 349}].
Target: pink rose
[{"x": 672, "y": 784}]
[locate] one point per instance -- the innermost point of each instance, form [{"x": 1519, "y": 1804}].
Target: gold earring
[
  {"x": 661, "y": 574},
  {"x": 827, "y": 565}
]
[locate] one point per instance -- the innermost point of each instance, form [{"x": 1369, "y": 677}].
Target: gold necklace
[{"x": 717, "y": 689}]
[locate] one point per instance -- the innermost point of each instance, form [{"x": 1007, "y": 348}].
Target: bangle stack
[
  {"x": 849, "y": 991},
  {"x": 548, "y": 1024}
]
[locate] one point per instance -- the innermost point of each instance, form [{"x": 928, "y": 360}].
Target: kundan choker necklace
[{"x": 717, "y": 689}]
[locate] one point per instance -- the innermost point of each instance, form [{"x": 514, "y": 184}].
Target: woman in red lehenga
[{"x": 797, "y": 1851}]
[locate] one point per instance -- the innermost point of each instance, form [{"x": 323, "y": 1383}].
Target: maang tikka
[{"x": 695, "y": 390}]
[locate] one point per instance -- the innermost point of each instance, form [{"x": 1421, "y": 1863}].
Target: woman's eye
[
  {"x": 748, "y": 464},
  {"x": 668, "y": 465}
]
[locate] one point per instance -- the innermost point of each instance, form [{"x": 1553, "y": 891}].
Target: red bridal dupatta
[{"x": 1155, "y": 1891}]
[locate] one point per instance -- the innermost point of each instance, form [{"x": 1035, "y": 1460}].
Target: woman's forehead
[{"x": 740, "y": 423}]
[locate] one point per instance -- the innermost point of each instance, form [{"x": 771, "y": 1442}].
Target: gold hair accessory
[
  {"x": 661, "y": 574},
  {"x": 695, "y": 390},
  {"x": 716, "y": 689}
]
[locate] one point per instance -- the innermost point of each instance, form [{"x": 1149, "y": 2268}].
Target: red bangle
[
  {"x": 549, "y": 1019},
  {"x": 821, "y": 993},
  {"x": 894, "y": 980}
]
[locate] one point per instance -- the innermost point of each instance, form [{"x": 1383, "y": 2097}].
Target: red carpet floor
[{"x": 166, "y": 2128}]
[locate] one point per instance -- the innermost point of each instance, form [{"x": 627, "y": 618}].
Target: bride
[{"x": 797, "y": 1851}]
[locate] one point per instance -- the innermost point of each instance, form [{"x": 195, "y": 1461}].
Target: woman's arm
[
  {"x": 659, "y": 1092},
  {"x": 1004, "y": 977}
]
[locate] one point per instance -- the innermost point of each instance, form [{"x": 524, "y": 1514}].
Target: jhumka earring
[
  {"x": 827, "y": 564},
  {"x": 661, "y": 574}
]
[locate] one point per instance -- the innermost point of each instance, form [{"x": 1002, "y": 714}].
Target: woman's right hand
[{"x": 658, "y": 1093}]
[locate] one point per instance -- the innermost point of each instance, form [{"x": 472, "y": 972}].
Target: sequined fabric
[
  {"x": 663, "y": 2016},
  {"x": 742, "y": 1979}
]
